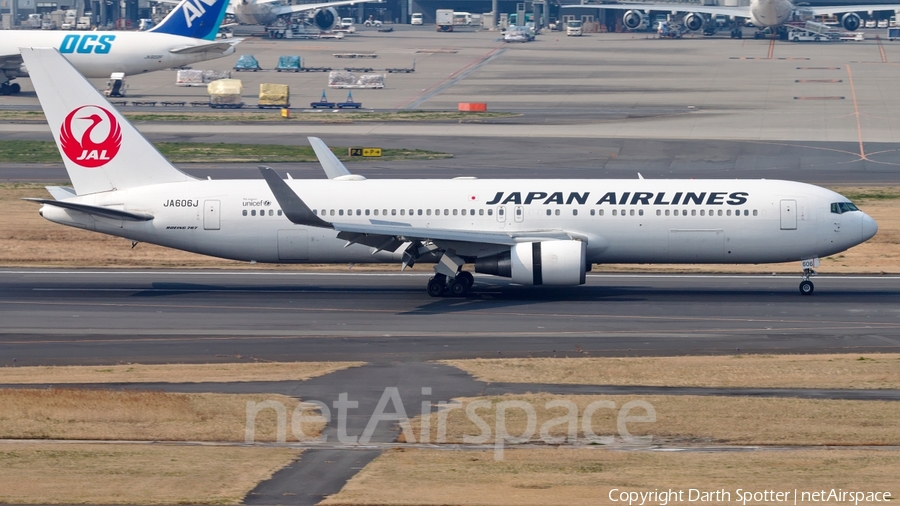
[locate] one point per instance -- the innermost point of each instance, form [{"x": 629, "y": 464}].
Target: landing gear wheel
[
  {"x": 467, "y": 277},
  {"x": 458, "y": 288},
  {"x": 14, "y": 88},
  {"x": 5, "y": 89},
  {"x": 437, "y": 285},
  {"x": 806, "y": 287}
]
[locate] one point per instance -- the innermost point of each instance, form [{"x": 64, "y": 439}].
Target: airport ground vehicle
[
  {"x": 574, "y": 28},
  {"x": 373, "y": 22},
  {"x": 443, "y": 20},
  {"x": 416, "y": 18},
  {"x": 84, "y": 23}
]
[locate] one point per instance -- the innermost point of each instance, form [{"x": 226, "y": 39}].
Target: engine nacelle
[
  {"x": 325, "y": 19},
  {"x": 851, "y": 21},
  {"x": 557, "y": 263},
  {"x": 694, "y": 21},
  {"x": 634, "y": 20}
]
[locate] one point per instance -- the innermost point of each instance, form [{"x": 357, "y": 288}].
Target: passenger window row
[
  {"x": 262, "y": 212},
  {"x": 402, "y": 212}
]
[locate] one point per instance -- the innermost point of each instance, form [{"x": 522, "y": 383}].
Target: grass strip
[
  {"x": 134, "y": 474},
  {"x": 681, "y": 419},
  {"x": 172, "y": 373},
  {"x": 869, "y": 371},
  {"x": 568, "y": 476},
  {"x": 141, "y": 415},
  {"x": 192, "y": 152}
]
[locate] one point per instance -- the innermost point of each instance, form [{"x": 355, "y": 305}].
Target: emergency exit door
[
  {"x": 788, "y": 215},
  {"x": 211, "y": 220}
]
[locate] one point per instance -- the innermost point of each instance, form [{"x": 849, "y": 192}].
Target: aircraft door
[
  {"x": 211, "y": 218},
  {"x": 519, "y": 214},
  {"x": 501, "y": 214},
  {"x": 788, "y": 215}
]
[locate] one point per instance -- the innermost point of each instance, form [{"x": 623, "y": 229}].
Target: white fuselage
[
  {"x": 770, "y": 13},
  {"x": 98, "y": 54},
  {"x": 621, "y": 221},
  {"x": 251, "y": 12}
]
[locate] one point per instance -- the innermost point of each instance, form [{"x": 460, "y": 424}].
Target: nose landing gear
[
  {"x": 9, "y": 89},
  {"x": 806, "y": 286}
]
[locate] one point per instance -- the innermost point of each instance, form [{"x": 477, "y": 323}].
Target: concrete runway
[{"x": 74, "y": 317}]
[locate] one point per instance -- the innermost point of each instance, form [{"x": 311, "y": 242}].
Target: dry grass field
[
  {"x": 690, "y": 420},
  {"x": 26, "y": 239},
  {"x": 139, "y": 416},
  {"x": 171, "y": 373},
  {"x": 568, "y": 476},
  {"x": 868, "y": 371},
  {"x": 133, "y": 474}
]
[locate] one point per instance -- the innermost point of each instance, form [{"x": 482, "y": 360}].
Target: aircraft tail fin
[
  {"x": 198, "y": 19},
  {"x": 102, "y": 151}
]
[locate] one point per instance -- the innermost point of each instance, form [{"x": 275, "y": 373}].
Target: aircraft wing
[
  {"x": 740, "y": 12},
  {"x": 841, "y": 9},
  {"x": 12, "y": 61},
  {"x": 383, "y": 231},
  {"x": 212, "y": 47},
  {"x": 290, "y": 9}
]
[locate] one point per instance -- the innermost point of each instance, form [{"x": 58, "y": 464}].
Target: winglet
[
  {"x": 333, "y": 167},
  {"x": 293, "y": 206}
]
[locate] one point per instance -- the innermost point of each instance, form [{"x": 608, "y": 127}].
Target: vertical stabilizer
[
  {"x": 102, "y": 151},
  {"x": 198, "y": 19}
]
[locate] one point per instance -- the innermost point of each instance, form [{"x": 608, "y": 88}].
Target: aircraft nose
[{"x": 869, "y": 227}]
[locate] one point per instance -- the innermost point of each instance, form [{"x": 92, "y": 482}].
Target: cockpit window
[{"x": 843, "y": 207}]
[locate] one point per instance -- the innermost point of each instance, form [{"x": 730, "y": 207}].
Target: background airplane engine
[
  {"x": 634, "y": 20},
  {"x": 325, "y": 18},
  {"x": 850, "y": 21},
  {"x": 693, "y": 21},
  {"x": 557, "y": 263}
]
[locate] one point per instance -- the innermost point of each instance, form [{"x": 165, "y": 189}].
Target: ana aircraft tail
[
  {"x": 198, "y": 19},
  {"x": 101, "y": 149}
]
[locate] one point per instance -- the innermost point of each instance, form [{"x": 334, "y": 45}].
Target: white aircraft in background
[
  {"x": 762, "y": 13},
  {"x": 267, "y": 12},
  {"x": 187, "y": 35},
  {"x": 534, "y": 231}
]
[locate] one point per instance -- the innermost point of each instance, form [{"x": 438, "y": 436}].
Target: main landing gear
[
  {"x": 9, "y": 89},
  {"x": 441, "y": 286},
  {"x": 806, "y": 286}
]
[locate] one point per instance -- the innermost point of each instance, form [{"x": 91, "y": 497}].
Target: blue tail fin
[{"x": 198, "y": 19}]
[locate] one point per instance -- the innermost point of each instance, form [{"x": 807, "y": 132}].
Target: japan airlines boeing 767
[
  {"x": 762, "y": 13},
  {"x": 534, "y": 231},
  {"x": 187, "y": 35}
]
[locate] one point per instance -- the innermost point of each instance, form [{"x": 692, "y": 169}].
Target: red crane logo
[{"x": 86, "y": 152}]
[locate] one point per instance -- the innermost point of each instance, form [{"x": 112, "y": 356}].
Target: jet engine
[
  {"x": 538, "y": 263},
  {"x": 694, "y": 21},
  {"x": 325, "y": 19},
  {"x": 850, "y": 21},
  {"x": 634, "y": 20}
]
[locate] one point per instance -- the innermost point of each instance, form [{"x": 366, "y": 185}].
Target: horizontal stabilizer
[
  {"x": 214, "y": 47},
  {"x": 105, "y": 212},
  {"x": 293, "y": 206},
  {"x": 61, "y": 192}
]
